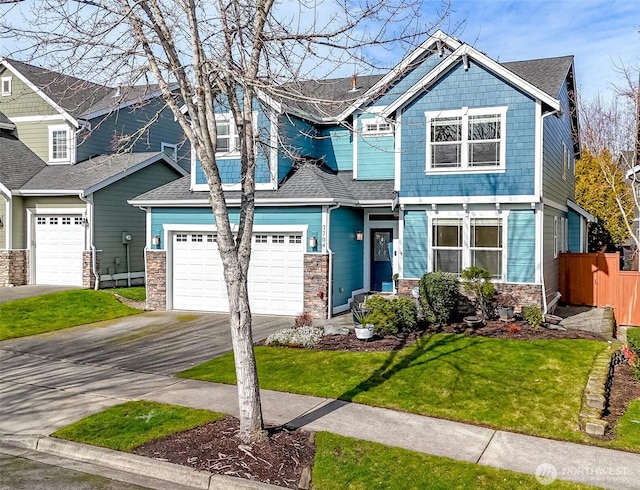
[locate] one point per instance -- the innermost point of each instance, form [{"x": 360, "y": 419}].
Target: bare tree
[
  {"x": 212, "y": 56},
  {"x": 610, "y": 131}
]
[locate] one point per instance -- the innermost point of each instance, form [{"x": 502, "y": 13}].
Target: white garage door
[
  {"x": 275, "y": 273},
  {"x": 59, "y": 243}
]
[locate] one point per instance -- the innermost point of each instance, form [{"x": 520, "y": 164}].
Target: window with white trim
[
  {"x": 466, "y": 139},
  {"x": 486, "y": 245},
  {"x": 447, "y": 244},
  {"x": 58, "y": 143},
  {"x": 6, "y": 83},
  {"x": 458, "y": 243},
  {"x": 376, "y": 126},
  {"x": 228, "y": 140}
]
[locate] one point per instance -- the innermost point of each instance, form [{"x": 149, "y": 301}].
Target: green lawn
[
  {"x": 340, "y": 462},
  {"x": 628, "y": 428},
  {"x": 138, "y": 293},
  {"x": 56, "y": 311},
  {"x": 127, "y": 426},
  {"x": 530, "y": 387}
]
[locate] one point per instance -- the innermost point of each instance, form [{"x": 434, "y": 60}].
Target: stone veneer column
[
  {"x": 156, "y": 261},
  {"x": 88, "y": 274},
  {"x": 316, "y": 285},
  {"x": 14, "y": 267}
]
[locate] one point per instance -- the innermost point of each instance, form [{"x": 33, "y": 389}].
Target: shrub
[
  {"x": 295, "y": 337},
  {"x": 303, "y": 320},
  {"x": 632, "y": 353},
  {"x": 477, "y": 282},
  {"x": 394, "y": 315},
  {"x": 439, "y": 293},
  {"x": 533, "y": 315}
]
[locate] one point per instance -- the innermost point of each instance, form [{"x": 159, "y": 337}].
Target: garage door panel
[
  {"x": 59, "y": 244},
  {"x": 275, "y": 274}
]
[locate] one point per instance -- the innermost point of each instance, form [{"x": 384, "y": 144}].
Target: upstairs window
[
  {"x": 466, "y": 139},
  {"x": 376, "y": 126},
  {"x": 58, "y": 144},
  {"x": 5, "y": 84},
  {"x": 228, "y": 140},
  {"x": 170, "y": 150}
]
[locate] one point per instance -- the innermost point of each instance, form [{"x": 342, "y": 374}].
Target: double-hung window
[
  {"x": 447, "y": 245},
  {"x": 227, "y": 140},
  {"x": 458, "y": 243},
  {"x": 58, "y": 144},
  {"x": 466, "y": 139}
]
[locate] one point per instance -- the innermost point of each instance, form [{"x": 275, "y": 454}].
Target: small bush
[
  {"x": 303, "y": 320},
  {"x": 533, "y": 315},
  {"x": 513, "y": 329},
  {"x": 391, "y": 316},
  {"x": 439, "y": 293},
  {"x": 295, "y": 337},
  {"x": 477, "y": 282},
  {"x": 632, "y": 353}
]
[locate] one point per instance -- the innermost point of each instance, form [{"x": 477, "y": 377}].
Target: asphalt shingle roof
[
  {"x": 547, "y": 74},
  {"x": 18, "y": 162},
  {"x": 309, "y": 181},
  {"x": 85, "y": 174}
]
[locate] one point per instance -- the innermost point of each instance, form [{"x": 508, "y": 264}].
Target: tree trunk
[{"x": 251, "y": 424}]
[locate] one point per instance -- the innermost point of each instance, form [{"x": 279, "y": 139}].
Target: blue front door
[{"x": 381, "y": 260}]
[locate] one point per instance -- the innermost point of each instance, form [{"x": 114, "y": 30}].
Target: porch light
[
  {"x": 313, "y": 242},
  {"x": 359, "y": 236},
  {"x": 1, "y": 223},
  {"x": 155, "y": 241},
  {"x": 85, "y": 221}
]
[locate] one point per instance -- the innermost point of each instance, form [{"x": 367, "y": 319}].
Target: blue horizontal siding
[
  {"x": 475, "y": 88},
  {"x": 416, "y": 241},
  {"x": 309, "y": 216},
  {"x": 336, "y": 147},
  {"x": 521, "y": 247},
  {"x": 348, "y": 265}
]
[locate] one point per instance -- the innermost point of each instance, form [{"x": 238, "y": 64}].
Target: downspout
[
  {"x": 544, "y": 289},
  {"x": 330, "y": 252},
  {"x": 94, "y": 258}
]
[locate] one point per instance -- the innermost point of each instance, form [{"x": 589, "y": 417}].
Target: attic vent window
[
  {"x": 376, "y": 126},
  {"x": 6, "y": 85}
]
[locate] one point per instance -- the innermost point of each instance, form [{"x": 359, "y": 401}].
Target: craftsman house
[{"x": 451, "y": 159}]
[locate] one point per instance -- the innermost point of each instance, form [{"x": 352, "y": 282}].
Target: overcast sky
[{"x": 599, "y": 33}]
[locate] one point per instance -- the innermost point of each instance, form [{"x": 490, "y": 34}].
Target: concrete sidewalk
[{"x": 61, "y": 392}]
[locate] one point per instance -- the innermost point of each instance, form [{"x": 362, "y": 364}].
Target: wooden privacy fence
[{"x": 596, "y": 280}]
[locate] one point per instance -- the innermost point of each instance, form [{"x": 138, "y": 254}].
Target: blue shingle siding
[
  {"x": 304, "y": 216},
  {"x": 348, "y": 266},
  {"x": 336, "y": 147},
  {"x": 521, "y": 249},
  {"x": 410, "y": 79},
  {"x": 558, "y": 130},
  {"x": 416, "y": 240},
  {"x": 298, "y": 139},
  {"x": 475, "y": 88}
]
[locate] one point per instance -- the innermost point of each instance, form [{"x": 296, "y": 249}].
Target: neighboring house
[
  {"x": 633, "y": 173},
  {"x": 449, "y": 160},
  {"x": 65, "y": 182}
]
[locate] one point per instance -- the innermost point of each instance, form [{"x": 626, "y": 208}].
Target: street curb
[{"x": 132, "y": 463}]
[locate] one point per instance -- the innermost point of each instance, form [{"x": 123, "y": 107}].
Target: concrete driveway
[{"x": 158, "y": 342}]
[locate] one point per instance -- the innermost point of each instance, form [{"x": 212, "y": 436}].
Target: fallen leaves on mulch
[{"x": 278, "y": 460}]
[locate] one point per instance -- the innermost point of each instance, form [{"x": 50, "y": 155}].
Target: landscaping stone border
[{"x": 596, "y": 394}]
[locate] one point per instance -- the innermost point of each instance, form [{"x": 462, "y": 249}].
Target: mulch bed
[
  {"x": 283, "y": 457},
  {"x": 279, "y": 459}
]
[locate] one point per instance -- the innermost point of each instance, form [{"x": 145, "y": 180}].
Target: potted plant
[
  {"x": 363, "y": 326},
  {"x": 505, "y": 303},
  {"x": 395, "y": 279}
]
